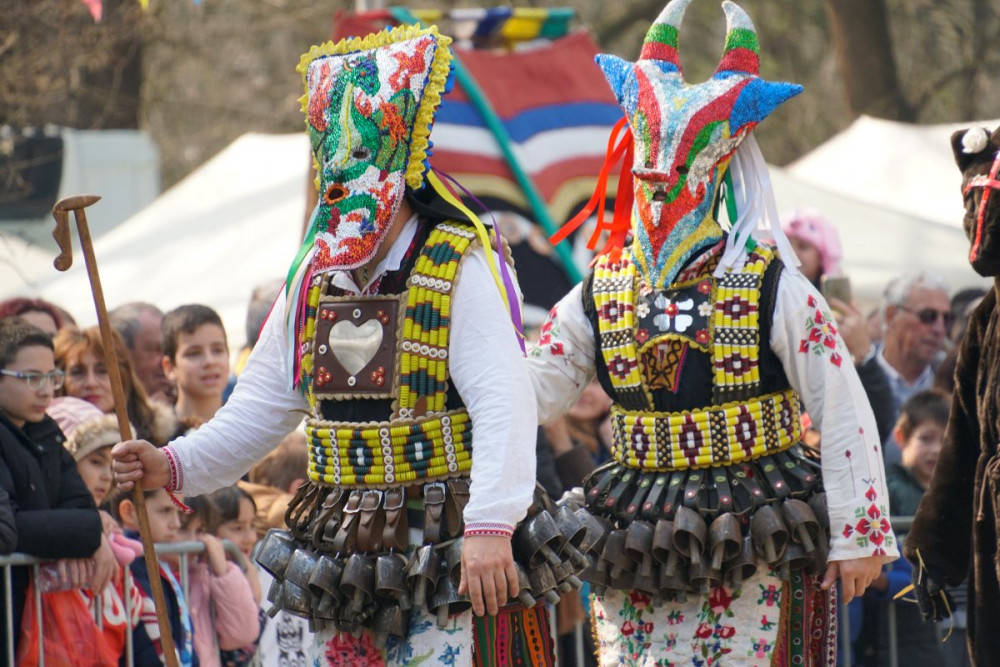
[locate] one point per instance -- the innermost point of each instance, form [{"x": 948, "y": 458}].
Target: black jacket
[{"x": 53, "y": 511}]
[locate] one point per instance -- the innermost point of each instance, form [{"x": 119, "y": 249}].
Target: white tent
[
  {"x": 880, "y": 243},
  {"x": 233, "y": 223},
  {"x": 900, "y": 166}
]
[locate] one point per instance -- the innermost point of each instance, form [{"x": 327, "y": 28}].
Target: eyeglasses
[
  {"x": 930, "y": 315},
  {"x": 35, "y": 380}
]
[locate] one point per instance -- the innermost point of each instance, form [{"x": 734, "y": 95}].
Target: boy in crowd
[
  {"x": 54, "y": 513},
  {"x": 196, "y": 360},
  {"x": 164, "y": 526}
]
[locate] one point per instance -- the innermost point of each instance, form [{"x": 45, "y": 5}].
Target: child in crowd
[
  {"x": 919, "y": 432},
  {"x": 274, "y": 480},
  {"x": 54, "y": 513},
  {"x": 164, "y": 525},
  {"x": 224, "y": 614},
  {"x": 90, "y": 434},
  {"x": 196, "y": 359},
  {"x": 235, "y": 512}
]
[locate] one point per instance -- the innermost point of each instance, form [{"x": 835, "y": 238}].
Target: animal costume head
[
  {"x": 369, "y": 107},
  {"x": 685, "y": 135},
  {"x": 977, "y": 153}
]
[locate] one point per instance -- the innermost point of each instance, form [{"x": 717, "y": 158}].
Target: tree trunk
[{"x": 860, "y": 30}]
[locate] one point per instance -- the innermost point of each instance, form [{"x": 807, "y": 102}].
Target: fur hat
[
  {"x": 812, "y": 227},
  {"x": 86, "y": 428}
]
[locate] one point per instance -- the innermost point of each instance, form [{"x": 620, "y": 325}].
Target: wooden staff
[{"x": 62, "y": 235}]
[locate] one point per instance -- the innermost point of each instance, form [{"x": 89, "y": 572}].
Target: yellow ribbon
[{"x": 481, "y": 231}]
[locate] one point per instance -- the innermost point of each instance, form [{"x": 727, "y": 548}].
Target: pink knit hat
[
  {"x": 810, "y": 226},
  {"x": 86, "y": 428}
]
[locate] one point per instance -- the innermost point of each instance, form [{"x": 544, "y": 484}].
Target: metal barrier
[
  {"x": 185, "y": 549},
  {"x": 181, "y": 549}
]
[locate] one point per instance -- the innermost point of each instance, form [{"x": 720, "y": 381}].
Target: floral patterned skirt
[
  {"x": 766, "y": 623},
  {"x": 515, "y": 636}
]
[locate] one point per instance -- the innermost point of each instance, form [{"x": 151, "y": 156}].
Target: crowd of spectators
[{"x": 58, "y": 501}]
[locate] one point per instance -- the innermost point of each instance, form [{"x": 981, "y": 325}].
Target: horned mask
[{"x": 685, "y": 135}]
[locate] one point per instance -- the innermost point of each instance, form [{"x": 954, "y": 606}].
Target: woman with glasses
[{"x": 80, "y": 356}]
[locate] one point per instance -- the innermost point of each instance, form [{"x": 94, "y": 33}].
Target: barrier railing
[
  {"x": 183, "y": 550},
  {"x": 186, "y": 549}
]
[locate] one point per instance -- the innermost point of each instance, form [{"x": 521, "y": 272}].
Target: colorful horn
[
  {"x": 742, "y": 52},
  {"x": 661, "y": 40}
]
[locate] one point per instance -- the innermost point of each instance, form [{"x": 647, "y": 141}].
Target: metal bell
[
  {"x": 300, "y": 567},
  {"x": 390, "y": 621},
  {"x": 743, "y": 566},
  {"x": 390, "y": 579},
  {"x": 422, "y": 573},
  {"x": 573, "y": 532},
  {"x": 358, "y": 582},
  {"x": 543, "y": 583},
  {"x": 663, "y": 547},
  {"x": 296, "y": 600},
  {"x": 538, "y": 540},
  {"x": 639, "y": 547},
  {"x": 446, "y": 600},
  {"x": 275, "y": 551},
  {"x": 524, "y": 587},
  {"x": 324, "y": 582}
]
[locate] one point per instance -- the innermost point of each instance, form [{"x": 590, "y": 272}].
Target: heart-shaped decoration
[{"x": 354, "y": 346}]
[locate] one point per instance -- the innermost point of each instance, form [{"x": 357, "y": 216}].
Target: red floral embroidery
[
  {"x": 641, "y": 336},
  {"x": 628, "y": 628},
  {"x": 701, "y": 336},
  {"x": 639, "y": 600},
  {"x": 719, "y": 600},
  {"x": 821, "y": 334},
  {"x": 871, "y": 528},
  {"x": 344, "y": 650},
  {"x": 704, "y": 631}
]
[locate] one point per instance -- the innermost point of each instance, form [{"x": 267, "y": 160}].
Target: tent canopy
[
  {"x": 900, "y": 166},
  {"x": 232, "y": 224}
]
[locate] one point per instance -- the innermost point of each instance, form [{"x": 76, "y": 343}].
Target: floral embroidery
[
  {"x": 671, "y": 314},
  {"x": 872, "y": 527},
  {"x": 551, "y": 329},
  {"x": 821, "y": 336},
  {"x": 641, "y": 336},
  {"x": 705, "y": 309},
  {"x": 701, "y": 336},
  {"x": 346, "y": 649},
  {"x": 705, "y": 286},
  {"x": 642, "y": 309},
  {"x": 761, "y": 649},
  {"x": 770, "y": 596}
]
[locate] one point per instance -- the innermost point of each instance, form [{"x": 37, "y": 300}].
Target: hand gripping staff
[{"x": 62, "y": 236}]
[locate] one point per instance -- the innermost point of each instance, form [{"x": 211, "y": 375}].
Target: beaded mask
[
  {"x": 369, "y": 106},
  {"x": 685, "y": 135}
]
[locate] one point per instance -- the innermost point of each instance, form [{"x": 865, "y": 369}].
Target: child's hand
[
  {"x": 135, "y": 460},
  {"x": 855, "y": 575},
  {"x": 104, "y": 566},
  {"x": 215, "y": 554}
]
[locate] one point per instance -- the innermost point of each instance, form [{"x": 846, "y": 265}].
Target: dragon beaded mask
[
  {"x": 369, "y": 106},
  {"x": 685, "y": 134}
]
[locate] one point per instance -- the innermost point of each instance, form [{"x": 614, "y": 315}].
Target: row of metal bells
[
  {"x": 378, "y": 591},
  {"x": 688, "y": 554}
]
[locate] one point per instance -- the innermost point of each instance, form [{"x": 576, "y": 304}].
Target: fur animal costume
[{"x": 955, "y": 533}]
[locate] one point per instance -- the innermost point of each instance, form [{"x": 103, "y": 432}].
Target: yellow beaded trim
[
  {"x": 614, "y": 299},
  {"x": 307, "y": 333},
  {"x": 713, "y": 436},
  {"x": 390, "y": 453},
  {"x": 423, "y": 361},
  {"x": 735, "y": 332}
]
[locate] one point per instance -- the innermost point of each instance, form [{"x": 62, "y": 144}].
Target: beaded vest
[{"x": 392, "y": 347}]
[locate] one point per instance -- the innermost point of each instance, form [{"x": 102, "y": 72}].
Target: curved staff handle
[{"x": 62, "y": 236}]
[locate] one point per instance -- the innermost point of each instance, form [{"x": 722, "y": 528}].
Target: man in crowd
[
  {"x": 917, "y": 318},
  {"x": 138, "y": 324}
]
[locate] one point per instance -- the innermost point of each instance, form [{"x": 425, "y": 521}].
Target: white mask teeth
[{"x": 974, "y": 141}]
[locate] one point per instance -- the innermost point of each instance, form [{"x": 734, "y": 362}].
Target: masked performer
[
  {"x": 711, "y": 345},
  {"x": 955, "y": 530},
  {"x": 394, "y": 337}
]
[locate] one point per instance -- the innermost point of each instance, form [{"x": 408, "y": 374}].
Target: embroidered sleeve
[
  {"x": 804, "y": 336},
  {"x": 562, "y": 362}
]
